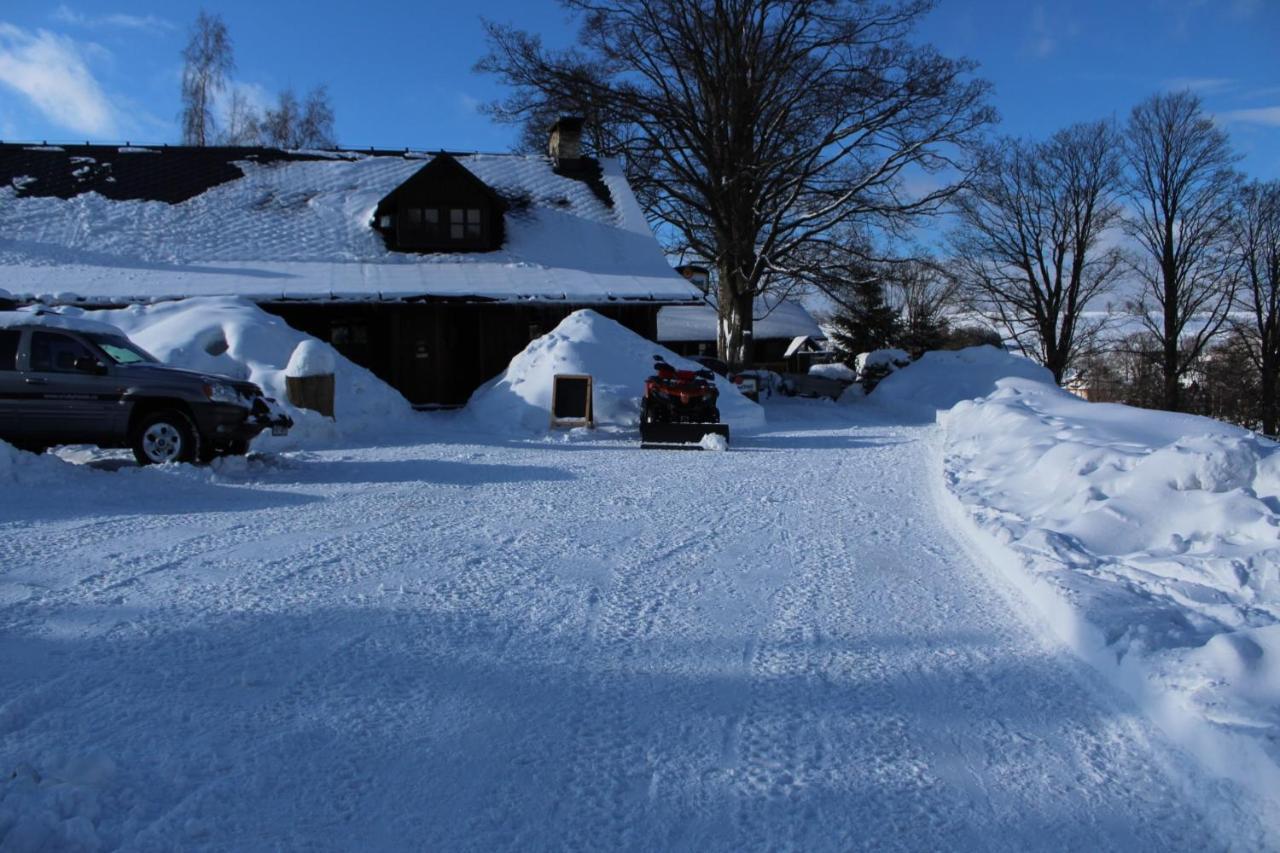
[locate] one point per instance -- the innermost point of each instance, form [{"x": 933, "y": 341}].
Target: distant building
[
  {"x": 430, "y": 269},
  {"x": 691, "y": 329}
]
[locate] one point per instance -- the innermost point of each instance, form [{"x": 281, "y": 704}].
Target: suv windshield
[{"x": 121, "y": 350}]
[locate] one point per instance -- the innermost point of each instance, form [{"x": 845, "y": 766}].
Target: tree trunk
[
  {"x": 734, "y": 338},
  {"x": 1270, "y": 381},
  {"x": 1172, "y": 386}
]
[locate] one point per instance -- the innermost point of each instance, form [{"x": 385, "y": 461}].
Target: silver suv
[{"x": 64, "y": 380}]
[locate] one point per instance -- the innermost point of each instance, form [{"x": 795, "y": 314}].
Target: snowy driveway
[{"x": 567, "y": 646}]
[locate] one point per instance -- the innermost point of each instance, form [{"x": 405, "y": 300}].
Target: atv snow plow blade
[{"x": 668, "y": 436}]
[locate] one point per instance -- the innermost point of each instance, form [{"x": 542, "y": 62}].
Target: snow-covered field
[{"x": 557, "y": 643}]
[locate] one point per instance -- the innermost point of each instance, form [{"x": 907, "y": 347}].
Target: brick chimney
[{"x": 565, "y": 143}]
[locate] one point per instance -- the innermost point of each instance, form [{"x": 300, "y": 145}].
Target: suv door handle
[{"x": 31, "y": 380}]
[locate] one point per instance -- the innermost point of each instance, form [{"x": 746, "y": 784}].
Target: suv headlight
[{"x": 219, "y": 393}]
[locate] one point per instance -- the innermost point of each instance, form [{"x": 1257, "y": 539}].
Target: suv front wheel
[{"x": 165, "y": 436}]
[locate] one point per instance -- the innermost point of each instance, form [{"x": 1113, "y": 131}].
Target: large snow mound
[
  {"x": 1151, "y": 539},
  {"x": 940, "y": 379},
  {"x": 234, "y": 337},
  {"x": 519, "y": 399}
]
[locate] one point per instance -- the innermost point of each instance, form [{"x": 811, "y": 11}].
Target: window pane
[
  {"x": 9, "y": 348},
  {"x": 473, "y": 216},
  {"x": 415, "y": 216},
  {"x": 456, "y": 230},
  {"x": 473, "y": 230},
  {"x": 56, "y": 353},
  {"x": 455, "y": 215},
  {"x": 432, "y": 215}
]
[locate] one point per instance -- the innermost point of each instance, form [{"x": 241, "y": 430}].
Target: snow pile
[
  {"x": 57, "y": 812},
  {"x": 940, "y": 379},
  {"x": 233, "y": 337},
  {"x": 1151, "y": 541},
  {"x": 18, "y": 467},
  {"x": 835, "y": 370},
  {"x": 519, "y": 399},
  {"x": 713, "y": 441},
  {"x": 311, "y": 358}
]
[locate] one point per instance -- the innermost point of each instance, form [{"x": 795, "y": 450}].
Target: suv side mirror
[{"x": 84, "y": 364}]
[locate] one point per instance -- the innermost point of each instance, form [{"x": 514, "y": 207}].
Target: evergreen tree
[{"x": 865, "y": 323}]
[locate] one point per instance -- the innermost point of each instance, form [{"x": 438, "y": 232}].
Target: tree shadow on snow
[{"x": 423, "y": 722}]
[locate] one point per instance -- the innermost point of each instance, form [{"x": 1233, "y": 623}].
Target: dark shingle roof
[
  {"x": 168, "y": 174},
  {"x": 172, "y": 173}
]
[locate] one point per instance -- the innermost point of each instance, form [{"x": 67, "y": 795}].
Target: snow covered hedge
[
  {"x": 1149, "y": 540},
  {"x": 518, "y": 400}
]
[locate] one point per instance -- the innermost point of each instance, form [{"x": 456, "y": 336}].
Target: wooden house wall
[{"x": 438, "y": 353}]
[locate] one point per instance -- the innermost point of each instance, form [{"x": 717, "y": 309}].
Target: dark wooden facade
[{"x": 437, "y": 352}]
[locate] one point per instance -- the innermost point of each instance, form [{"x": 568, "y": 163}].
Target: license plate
[{"x": 279, "y": 430}]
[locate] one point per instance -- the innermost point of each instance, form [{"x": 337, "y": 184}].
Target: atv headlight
[{"x": 219, "y": 393}]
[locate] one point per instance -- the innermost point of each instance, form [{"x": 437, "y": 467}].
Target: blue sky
[{"x": 400, "y": 74}]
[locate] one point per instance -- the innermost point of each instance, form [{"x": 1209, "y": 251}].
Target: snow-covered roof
[
  {"x": 297, "y": 225},
  {"x": 774, "y": 319}
]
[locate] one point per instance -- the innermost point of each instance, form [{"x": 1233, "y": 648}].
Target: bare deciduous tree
[
  {"x": 923, "y": 294},
  {"x": 207, "y": 61},
  {"x": 294, "y": 124},
  {"x": 1181, "y": 186},
  {"x": 1028, "y": 247},
  {"x": 1256, "y": 247},
  {"x": 755, "y": 129},
  {"x": 244, "y": 124}
]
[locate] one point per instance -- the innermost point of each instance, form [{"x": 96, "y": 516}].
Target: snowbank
[
  {"x": 20, "y": 468},
  {"x": 234, "y": 337},
  {"x": 57, "y": 812},
  {"x": 1149, "y": 540},
  {"x": 940, "y": 379},
  {"x": 519, "y": 399}
]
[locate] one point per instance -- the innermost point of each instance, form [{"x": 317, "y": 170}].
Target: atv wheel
[{"x": 166, "y": 436}]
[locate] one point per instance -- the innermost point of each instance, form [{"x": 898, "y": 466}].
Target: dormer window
[
  {"x": 420, "y": 225},
  {"x": 442, "y": 208},
  {"x": 465, "y": 224}
]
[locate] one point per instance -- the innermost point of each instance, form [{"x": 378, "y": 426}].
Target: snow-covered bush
[
  {"x": 519, "y": 399},
  {"x": 872, "y": 367},
  {"x": 835, "y": 370}
]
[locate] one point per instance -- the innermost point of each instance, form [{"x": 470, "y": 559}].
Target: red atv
[{"x": 679, "y": 407}]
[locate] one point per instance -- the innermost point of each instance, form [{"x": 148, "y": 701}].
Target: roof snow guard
[{"x": 99, "y": 224}]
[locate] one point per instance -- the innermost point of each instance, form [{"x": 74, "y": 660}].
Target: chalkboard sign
[{"x": 571, "y": 400}]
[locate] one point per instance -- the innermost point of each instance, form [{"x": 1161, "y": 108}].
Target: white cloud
[
  {"x": 50, "y": 71},
  {"x": 1042, "y": 42},
  {"x": 66, "y": 15},
  {"x": 1268, "y": 116},
  {"x": 1048, "y": 30},
  {"x": 1206, "y": 85}
]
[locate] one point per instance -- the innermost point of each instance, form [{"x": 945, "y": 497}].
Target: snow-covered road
[{"x": 578, "y": 645}]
